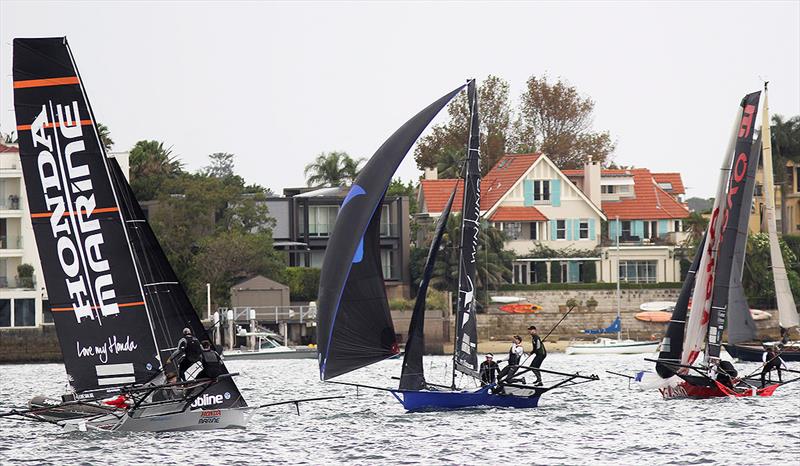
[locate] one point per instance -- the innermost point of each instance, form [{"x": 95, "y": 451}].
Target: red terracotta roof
[
  {"x": 674, "y": 179},
  {"x": 650, "y": 203},
  {"x": 437, "y": 192},
  {"x": 5, "y": 148},
  {"x": 517, "y": 214},
  {"x": 494, "y": 185},
  {"x": 502, "y": 177}
]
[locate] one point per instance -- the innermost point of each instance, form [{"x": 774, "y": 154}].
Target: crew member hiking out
[
  {"x": 539, "y": 351},
  {"x": 489, "y": 370},
  {"x": 189, "y": 352},
  {"x": 515, "y": 355},
  {"x": 212, "y": 362}
]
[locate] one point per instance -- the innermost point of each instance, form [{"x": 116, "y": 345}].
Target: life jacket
[
  {"x": 513, "y": 357},
  {"x": 212, "y": 364}
]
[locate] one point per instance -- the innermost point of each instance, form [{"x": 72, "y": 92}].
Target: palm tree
[
  {"x": 450, "y": 163},
  {"x": 695, "y": 225},
  {"x": 150, "y": 164},
  {"x": 105, "y": 136},
  {"x": 493, "y": 266},
  {"x": 332, "y": 169},
  {"x": 785, "y": 147}
]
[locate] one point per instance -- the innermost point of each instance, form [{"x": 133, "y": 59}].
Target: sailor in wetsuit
[
  {"x": 726, "y": 374},
  {"x": 540, "y": 353},
  {"x": 515, "y": 355},
  {"x": 489, "y": 370},
  {"x": 189, "y": 352},
  {"x": 772, "y": 361},
  {"x": 212, "y": 362}
]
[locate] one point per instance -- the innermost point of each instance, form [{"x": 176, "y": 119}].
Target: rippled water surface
[{"x": 597, "y": 423}]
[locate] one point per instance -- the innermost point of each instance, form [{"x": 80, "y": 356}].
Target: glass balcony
[
  {"x": 10, "y": 242},
  {"x": 26, "y": 283}
]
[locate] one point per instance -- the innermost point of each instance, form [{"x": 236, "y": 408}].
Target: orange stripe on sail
[
  {"x": 66, "y": 214},
  {"x": 52, "y": 125},
  {"x": 45, "y": 82},
  {"x": 62, "y": 309}
]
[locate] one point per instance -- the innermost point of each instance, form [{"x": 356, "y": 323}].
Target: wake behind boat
[{"x": 354, "y": 326}]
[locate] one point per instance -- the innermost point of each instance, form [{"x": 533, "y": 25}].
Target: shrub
[
  {"x": 401, "y": 304},
  {"x": 25, "y": 275},
  {"x": 303, "y": 283},
  {"x": 591, "y": 302}
]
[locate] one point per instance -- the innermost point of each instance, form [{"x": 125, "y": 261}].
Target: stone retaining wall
[{"x": 23, "y": 345}]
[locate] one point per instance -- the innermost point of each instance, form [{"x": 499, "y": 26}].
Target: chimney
[
  {"x": 591, "y": 181},
  {"x": 433, "y": 174}
]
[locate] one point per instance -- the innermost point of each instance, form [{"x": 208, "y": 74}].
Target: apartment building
[{"x": 23, "y": 298}]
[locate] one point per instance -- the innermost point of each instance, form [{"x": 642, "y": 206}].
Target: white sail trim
[{"x": 787, "y": 311}]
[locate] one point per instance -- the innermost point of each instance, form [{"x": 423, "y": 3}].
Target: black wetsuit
[
  {"x": 489, "y": 370},
  {"x": 541, "y": 352},
  {"x": 189, "y": 347},
  {"x": 773, "y": 362},
  {"x": 212, "y": 365},
  {"x": 513, "y": 361}
]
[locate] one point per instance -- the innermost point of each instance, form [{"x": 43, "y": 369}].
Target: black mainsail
[
  {"x": 354, "y": 325},
  {"x": 465, "y": 356},
  {"x": 169, "y": 306},
  {"x": 412, "y": 376},
  {"x": 99, "y": 311},
  {"x": 737, "y": 186},
  {"x": 741, "y": 326}
]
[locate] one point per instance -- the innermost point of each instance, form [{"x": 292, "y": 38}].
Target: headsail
[
  {"x": 787, "y": 311},
  {"x": 615, "y": 327},
  {"x": 354, "y": 326},
  {"x": 169, "y": 306},
  {"x": 672, "y": 344},
  {"x": 737, "y": 187},
  {"x": 412, "y": 376},
  {"x": 98, "y": 306},
  {"x": 465, "y": 357}
]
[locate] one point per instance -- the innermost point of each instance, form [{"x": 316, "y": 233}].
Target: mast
[
  {"x": 787, "y": 311},
  {"x": 619, "y": 298},
  {"x": 465, "y": 354}
]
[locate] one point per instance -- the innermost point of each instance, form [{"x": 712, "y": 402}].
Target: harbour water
[{"x": 601, "y": 422}]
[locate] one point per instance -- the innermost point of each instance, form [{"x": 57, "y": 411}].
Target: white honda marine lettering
[{"x": 79, "y": 241}]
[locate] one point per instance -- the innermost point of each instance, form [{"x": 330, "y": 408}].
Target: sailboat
[
  {"x": 116, "y": 302},
  {"x": 603, "y": 345},
  {"x": 787, "y": 310},
  {"x": 355, "y": 328},
  {"x": 713, "y": 284}
]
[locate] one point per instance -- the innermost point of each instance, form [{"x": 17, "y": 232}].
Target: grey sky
[{"x": 278, "y": 83}]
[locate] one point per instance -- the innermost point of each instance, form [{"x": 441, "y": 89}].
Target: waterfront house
[{"x": 562, "y": 224}]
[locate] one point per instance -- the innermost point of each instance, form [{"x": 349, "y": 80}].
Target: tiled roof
[
  {"x": 672, "y": 178},
  {"x": 494, "y": 185},
  {"x": 502, "y": 177},
  {"x": 650, "y": 201},
  {"x": 517, "y": 214},
  {"x": 5, "y": 148}
]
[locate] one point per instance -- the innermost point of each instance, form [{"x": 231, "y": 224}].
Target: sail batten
[
  {"x": 354, "y": 325},
  {"x": 465, "y": 356}
]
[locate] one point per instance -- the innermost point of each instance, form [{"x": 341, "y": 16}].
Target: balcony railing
[
  {"x": 11, "y": 203},
  {"x": 630, "y": 240},
  {"x": 27, "y": 283},
  {"x": 10, "y": 242}
]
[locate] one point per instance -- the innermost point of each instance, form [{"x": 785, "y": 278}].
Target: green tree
[
  {"x": 221, "y": 165},
  {"x": 493, "y": 266},
  {"x": 105, "y": 136},
  {"x": 696, "y": 226},
  {"x": 785, "y": 147},
  {"x": 757, "y": 275},
  {"x": 151, "y": 165},
  {"x": 332, "y": 169},
  {"x": 446, "y": 145},
  {"x": 556, "y": 120}
]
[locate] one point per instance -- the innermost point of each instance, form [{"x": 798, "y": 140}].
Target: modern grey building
[{"x": 305, "y": 218}]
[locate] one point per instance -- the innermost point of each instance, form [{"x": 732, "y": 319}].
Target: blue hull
[{"x": 429, "y": 400}]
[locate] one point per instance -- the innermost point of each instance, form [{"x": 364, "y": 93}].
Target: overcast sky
[{"x": 278, "y": 83}]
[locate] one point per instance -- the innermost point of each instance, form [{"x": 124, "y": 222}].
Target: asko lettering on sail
[{"x": 69, "y": 197}]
